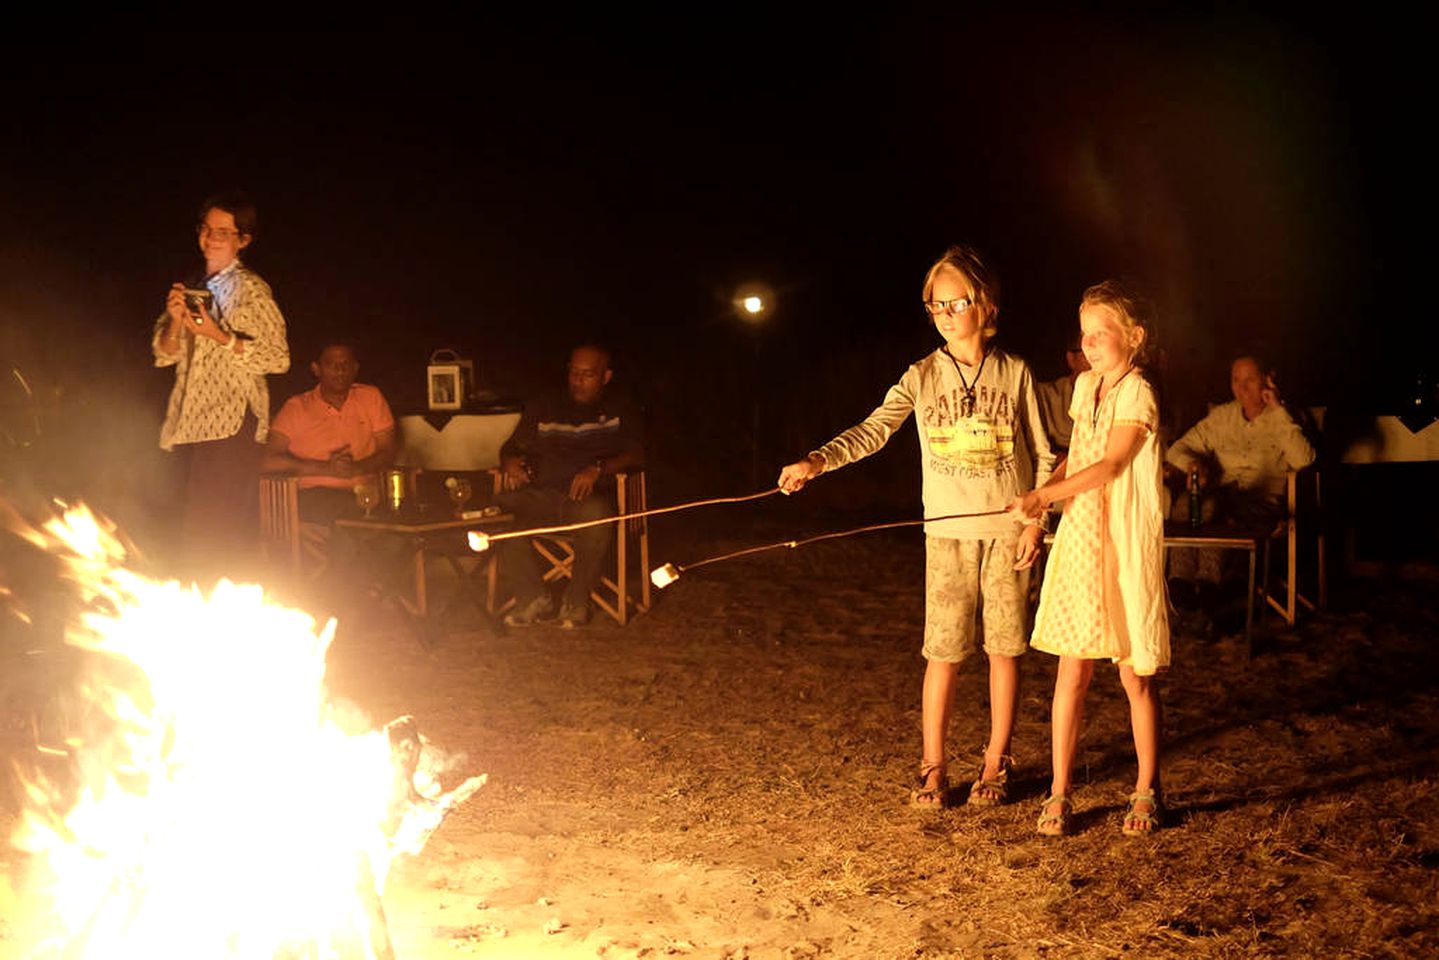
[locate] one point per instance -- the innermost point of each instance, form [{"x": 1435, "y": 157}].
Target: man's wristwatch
[{"x": 600, "y": 465}]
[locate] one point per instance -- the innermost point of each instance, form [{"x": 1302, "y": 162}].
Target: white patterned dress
[{"x": 1103, "y": 595}]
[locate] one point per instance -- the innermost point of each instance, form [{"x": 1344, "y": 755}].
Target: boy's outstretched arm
[{"x": 795, "y": 475}]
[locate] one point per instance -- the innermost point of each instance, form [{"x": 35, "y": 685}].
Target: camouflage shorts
[{"x": 964, "y": 578}]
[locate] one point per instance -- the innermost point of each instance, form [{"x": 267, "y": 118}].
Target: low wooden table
[{"x": 423, "y": 532}]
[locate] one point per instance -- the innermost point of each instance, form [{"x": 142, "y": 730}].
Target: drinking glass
[
  {"x": 459, "y": 491},
  {"x": 367, "y": 495}
]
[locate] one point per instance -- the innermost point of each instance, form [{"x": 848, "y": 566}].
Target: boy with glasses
[{"x": 981, "y": 444}]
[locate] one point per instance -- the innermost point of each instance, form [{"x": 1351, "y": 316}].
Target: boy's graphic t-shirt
[
  {"x": 973, "y": 444},
  {"x": 981, "y": 439},
  {"x": 970, "y": 432}
]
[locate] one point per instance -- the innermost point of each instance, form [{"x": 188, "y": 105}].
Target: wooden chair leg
[
  {"x": 622, "y": 599},
  {"x": 644, "y": 564},
  {"x": 1292, "y": 587},
  {"x": 1319, "y": 531},
  {"x": 560, "y": 556},
  {"x": 1249, "y": 611}
]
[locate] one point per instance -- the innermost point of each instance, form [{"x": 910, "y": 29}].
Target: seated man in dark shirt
[{"x": 558, "y": 467}]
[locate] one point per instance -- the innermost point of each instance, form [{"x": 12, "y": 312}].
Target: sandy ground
[{"x": 728, "y": 777}]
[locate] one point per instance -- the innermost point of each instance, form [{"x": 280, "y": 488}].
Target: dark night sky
[{"x": 505, "y": 194}]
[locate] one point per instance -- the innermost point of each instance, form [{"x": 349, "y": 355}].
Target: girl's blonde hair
[
  {"x": 1132, "y": 310},
  {"x": 982, "y": 281}
]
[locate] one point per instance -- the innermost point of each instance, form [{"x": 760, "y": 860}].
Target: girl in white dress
[{"x": 1103, "y": 594}]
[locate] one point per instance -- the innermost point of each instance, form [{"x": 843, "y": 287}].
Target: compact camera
[{"x": 195, "y": 299}]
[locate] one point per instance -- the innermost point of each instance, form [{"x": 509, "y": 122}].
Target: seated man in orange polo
[{"x": 332, "y": 436}]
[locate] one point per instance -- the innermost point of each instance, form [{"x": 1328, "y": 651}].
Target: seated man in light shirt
[
  {"x": 1243, "y": 451},
  {"x": 332, "y": 436}
]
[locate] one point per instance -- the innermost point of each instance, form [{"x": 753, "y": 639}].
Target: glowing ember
[{"x": 221, "y": 808}]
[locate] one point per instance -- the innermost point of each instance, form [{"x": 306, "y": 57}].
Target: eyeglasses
[
  {"x": 222, "y": 233},
  {"x": 952, "y": 307}
]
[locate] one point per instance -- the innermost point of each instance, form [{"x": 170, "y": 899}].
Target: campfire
[{"x": 209, "y": 799}]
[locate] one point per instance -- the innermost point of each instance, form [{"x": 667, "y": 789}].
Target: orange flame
[{"x": 221, "y": 809}]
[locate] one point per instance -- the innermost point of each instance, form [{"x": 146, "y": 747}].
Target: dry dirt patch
[{"x": 727, "y": 777}]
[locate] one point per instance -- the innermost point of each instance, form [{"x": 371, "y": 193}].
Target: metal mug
[{"x": 397, "y": 488}]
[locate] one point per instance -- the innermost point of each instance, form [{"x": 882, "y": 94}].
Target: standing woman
[{"x": 219, "y": 409}]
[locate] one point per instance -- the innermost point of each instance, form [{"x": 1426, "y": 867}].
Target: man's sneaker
[
  {"x": 572, "y": 616},
  {"x": 540, "y": 608}
]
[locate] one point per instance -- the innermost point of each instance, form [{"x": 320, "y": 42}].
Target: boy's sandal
[
  {"x": 927, "y": 796},
  {"x": 993, "y": 792},
  {"x": 1138, "y": 823},
  {"x": 1054, "y": 824}
]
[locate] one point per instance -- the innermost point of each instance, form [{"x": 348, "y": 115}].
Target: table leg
[
  {"x": 422, "y": 609},
  {"x": 480, "y": 594},
  {"x": 492, "y": 583}
]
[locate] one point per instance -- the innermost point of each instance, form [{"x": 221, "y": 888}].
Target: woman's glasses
[{"x": 221, "y": 233}]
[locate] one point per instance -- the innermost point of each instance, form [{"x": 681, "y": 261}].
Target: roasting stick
[
  {"x": 667, "y": 574},
  {"x": 480, "y": 542}
]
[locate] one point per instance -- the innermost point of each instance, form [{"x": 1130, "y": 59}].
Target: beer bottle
[{"x": 1194, "y": 496}]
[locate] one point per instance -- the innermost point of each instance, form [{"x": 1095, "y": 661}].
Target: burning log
[{"x": 420, "y": 804}]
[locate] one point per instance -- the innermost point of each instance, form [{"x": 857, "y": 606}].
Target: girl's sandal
[
  {"x": 993, "y": 792},
  {"x": 929, "y": 796},
  {"x": 1140, "y": 823},
  {"x": 1054, "y": 824}
]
